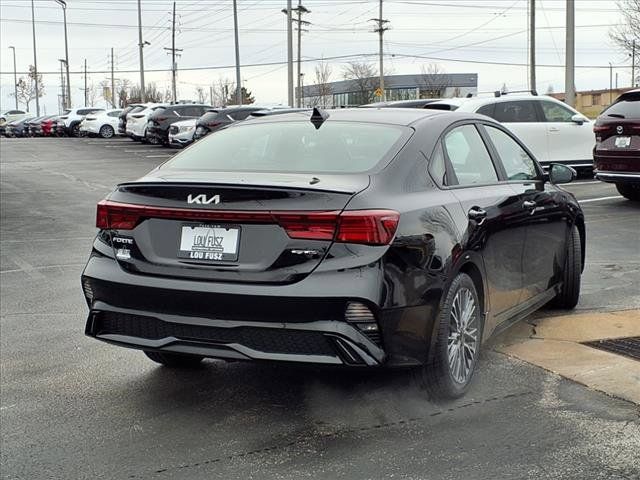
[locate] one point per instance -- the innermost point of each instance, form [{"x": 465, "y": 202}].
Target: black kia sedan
[{"x": 356, "y": 237}]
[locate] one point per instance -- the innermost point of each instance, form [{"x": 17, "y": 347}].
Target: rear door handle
[
  {"x": 477, "y": 214},
  {"x": 554, "y": 129},
  {"x": 529, "y": 204}
]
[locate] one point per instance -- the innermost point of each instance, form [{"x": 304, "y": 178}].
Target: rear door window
[
  {"x": 523, "y": 111},
  {"x": 554, "y": 112},
  {"x": 469, "y": 156},
  {"x": 488, "y": 110}
]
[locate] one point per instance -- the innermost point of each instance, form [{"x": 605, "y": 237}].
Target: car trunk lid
[{"x": 249, "y": 228}]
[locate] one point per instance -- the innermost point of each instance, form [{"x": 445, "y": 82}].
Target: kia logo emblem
[{"x": 619, "y": 129}]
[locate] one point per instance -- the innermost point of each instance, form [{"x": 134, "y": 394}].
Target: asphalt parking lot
[{"x": 72, "y": 407}]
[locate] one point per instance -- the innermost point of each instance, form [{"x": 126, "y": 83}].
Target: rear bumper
[
  {"x": 618, "y": 177},
  {"x": 320, "y": 342},
  {"x": 302, "y": 322}
]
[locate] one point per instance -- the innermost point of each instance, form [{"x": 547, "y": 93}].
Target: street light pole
[
  {"x": 35, "y": 59},
  {"x": 610, "y": 82},
  {"x": 15, "y": 76},
  {"x": 63, "y": 3}
]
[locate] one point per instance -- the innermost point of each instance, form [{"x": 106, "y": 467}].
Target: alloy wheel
[{"x": 463, "y": 340}]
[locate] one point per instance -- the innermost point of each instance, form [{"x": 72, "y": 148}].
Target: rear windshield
[
  {"x": 336, "y": 147},
  {"x": 628, "y": 107}
]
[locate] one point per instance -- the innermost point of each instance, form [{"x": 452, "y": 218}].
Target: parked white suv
[
  {"x": 72, "y": 118},
  {"x": 137, "y": 120},
  {"x": 104, "y": 123},
  {"x": 12, "y": 115},
  {"x": 553, "y": 131}
]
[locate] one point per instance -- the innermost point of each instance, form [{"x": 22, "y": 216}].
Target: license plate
[
  {"x": 623, "y": 142},
  {"x": 209, "y": 242}
]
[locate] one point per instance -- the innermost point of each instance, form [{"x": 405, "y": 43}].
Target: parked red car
[
  {"x": 617, "y": 151},
  {"x": 48, "y": 126}
]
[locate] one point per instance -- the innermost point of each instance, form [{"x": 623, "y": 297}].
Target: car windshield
[{"x": 335, "y": 147}]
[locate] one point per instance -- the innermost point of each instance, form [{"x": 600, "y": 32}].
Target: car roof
[
  {"x": 389, "y": 116},
  {"x": 472, "y": 103}
]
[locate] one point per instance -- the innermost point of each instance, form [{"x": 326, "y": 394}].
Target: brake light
[
  {"x": 369, "y": 227},
  {"x": 161, "y": 119},
  {"x": 214, "y": 124},
  {"x": 600, "y": 128}
]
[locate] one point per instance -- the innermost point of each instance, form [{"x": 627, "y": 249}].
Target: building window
[{"x": 595, "y": 99}]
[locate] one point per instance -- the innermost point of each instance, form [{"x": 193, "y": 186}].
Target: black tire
[
  {"x": 437, "y": 376},
  {"x": 630, "y": 191},
  {"x": 569, "y": 293},
  {"x": 174, "y": 360},
  {"x": 74, "y": 131},
  {"x": 107, "y": 131}
]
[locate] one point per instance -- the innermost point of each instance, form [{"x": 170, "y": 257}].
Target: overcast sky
[{"x": 488, "y": 37}]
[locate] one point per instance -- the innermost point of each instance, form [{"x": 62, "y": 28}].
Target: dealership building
[{"x": 397, "y": 87}]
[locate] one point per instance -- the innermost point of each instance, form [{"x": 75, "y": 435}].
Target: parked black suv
[
  {"x": 217, "y": 118},
  {"x": 122, "y": 123},
  {"x": 162, "y": 118}
]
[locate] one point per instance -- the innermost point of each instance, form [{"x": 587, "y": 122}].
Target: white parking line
[
  {"x": 599, "y": 199},
  {"x": 142, "y": 150}
]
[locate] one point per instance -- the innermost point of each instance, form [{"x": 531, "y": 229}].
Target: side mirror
[
  {"x": 579, "y": 119},
  {"x": 559, "y": 173}
]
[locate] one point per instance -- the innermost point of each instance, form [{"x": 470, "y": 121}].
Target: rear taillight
[
  {"x": 600, "y": 128},
  {"x": 161, "y": 119},
  {"x": 214, "y": 124},
  {"x": 369, "y": 227}
]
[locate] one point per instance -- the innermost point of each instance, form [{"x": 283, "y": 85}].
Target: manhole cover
[{"x": 629, "y": 347}]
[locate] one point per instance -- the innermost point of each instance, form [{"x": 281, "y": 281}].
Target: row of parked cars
[{"x": 552, "y": 130}]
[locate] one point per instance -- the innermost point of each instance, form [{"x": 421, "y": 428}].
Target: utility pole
[
  {"x": 15, "y": 77},
  {"x": 300, "y": 9},
  {"x": 113, "y": 83},
  {"x": 173, "y": 50},
  {"x": 289, "y": 54},
  {"x": 62, "y": 87},
  {"x": 633, "y": 63},
  {"x": 86, "y": 90},
  {"x": 237, "y": 41},
  {"x": 532, "y": 45},
  {"x": 380, "y": 31},
  {"x": 211, "y": 95},
  {"x": 610, "y": 82},
  {"x": 141, "y": 47},
  {"x": 570, "y": 49},
  {"x": 35, "y": 59}
]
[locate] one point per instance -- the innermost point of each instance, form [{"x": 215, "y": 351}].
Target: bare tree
[
  {"x": 628, "y": 30},
  {"x": 123, "y": 92},
  {"x": 323, "y": 73},
  {"x": 433, "y": 81},
  {"x": 365, "y": 79},
  {"x": 105, "y": 92},
  {"x": 201, "y": 95},
  {"x": 26, "y": 88},
  {"x": 221, "y": 90}
]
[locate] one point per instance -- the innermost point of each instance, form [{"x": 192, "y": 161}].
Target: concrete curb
[{"x": 553, "y": 343}]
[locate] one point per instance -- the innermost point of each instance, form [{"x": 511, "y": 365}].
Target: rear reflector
[{"x": 368, "y": 227}]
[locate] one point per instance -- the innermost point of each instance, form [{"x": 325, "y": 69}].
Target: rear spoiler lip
[{"x": 167, "y": 182}]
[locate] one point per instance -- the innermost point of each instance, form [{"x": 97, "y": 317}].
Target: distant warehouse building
[{"x": 397, "y": 87}]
